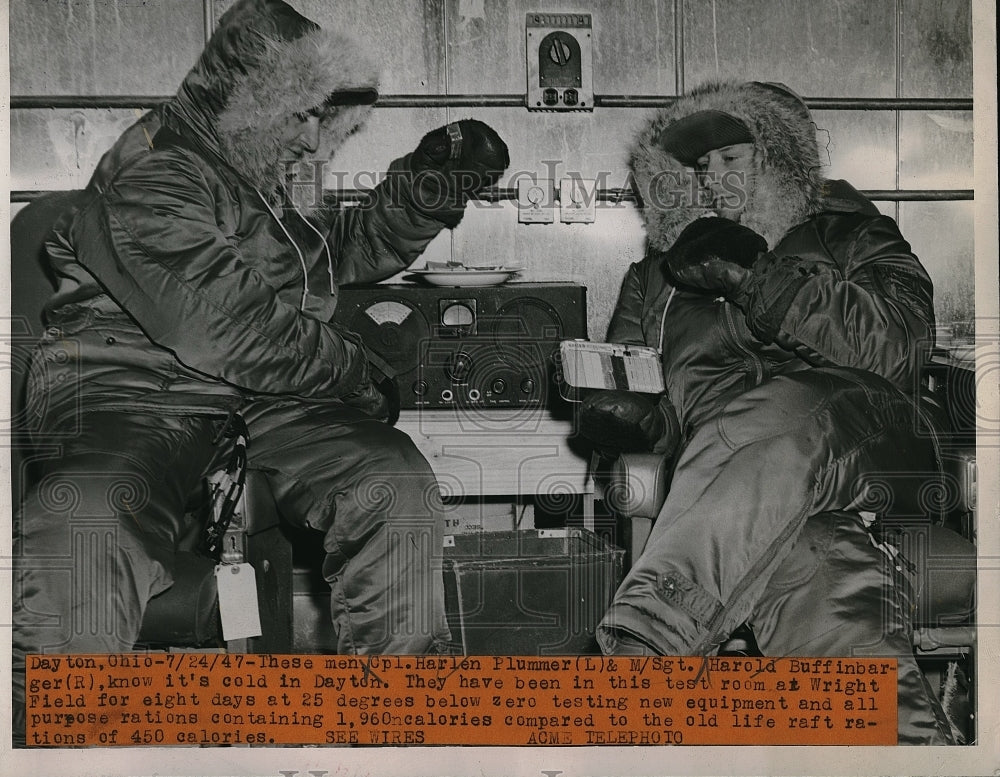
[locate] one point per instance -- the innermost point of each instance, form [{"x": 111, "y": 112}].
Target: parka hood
[
  {"x": 786, "y": 189},
  {"x": 264, "y": 63}
]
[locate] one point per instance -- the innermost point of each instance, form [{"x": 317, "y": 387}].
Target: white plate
[{"x": 468, "y": 276}]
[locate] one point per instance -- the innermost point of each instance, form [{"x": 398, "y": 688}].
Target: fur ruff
[
  {"x": 255, "y": 74},
  {"x": 785, "y": 190}
]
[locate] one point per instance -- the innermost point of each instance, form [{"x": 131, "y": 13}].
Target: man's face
[
  {"x": 727, "y": 174},
  {"x": 299, "y": 136}
]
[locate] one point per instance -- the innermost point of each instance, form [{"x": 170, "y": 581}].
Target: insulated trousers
[
  {"x": 836, "y": 594},
  {"x": 98, "y": 531},
  {"x": 742, "y": 490}
]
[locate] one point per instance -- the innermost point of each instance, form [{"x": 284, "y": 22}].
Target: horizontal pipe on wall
[
  {"x": 509, "y": 101},
  {"x": 626, "y": 195},
  {"x": 815, "y": 103},
  {"x": 72, "y": 102},
  {"x": 609, "y": 195},
  {"x": 150, "y": 101},
  {"x": 919, "y": 195},
  {"x": 890, "y": 195},
  {"x": 889, "y": 103}
]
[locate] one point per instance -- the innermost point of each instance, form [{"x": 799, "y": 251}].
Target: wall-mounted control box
[
  {"x": 577, "y": 200},
  {"x": 560, "y": 62},
  {"x": 535, "y": 201}
]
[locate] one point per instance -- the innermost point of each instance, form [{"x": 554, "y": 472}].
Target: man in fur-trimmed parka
[
  {"x": 792, "y": 319},
  {"x": 188, "y": 291}
]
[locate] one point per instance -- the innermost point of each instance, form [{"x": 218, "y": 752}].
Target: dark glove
[
  {"x": 453, "y": 164},
  {"x": 619, "y": 422},
  {"x": 720, "y": 257},
  {"x": 714, "y": 255},
  {"x": 377, "y": 397},
  {"x": 389, "y": 389}
]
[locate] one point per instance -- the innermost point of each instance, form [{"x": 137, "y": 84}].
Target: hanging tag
[
  {"x": 238, "y": 601},
  {"x": 455, "y": 137}
]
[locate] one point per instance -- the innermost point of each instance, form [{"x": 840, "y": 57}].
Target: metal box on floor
[{"x": 529, "y": 592}]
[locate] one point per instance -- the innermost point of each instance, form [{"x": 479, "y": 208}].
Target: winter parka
[
  {"x": 789, "y": 405},
  {"x": 862, "y": 300},
  {"x": 187, "y": 292},
  {"x": 182, "y": 239}
]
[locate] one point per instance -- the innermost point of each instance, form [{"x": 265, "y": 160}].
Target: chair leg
[{"x": 270, "y": 553}]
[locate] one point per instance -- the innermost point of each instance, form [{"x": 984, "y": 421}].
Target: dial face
[
  {"x": 559, "y": 60},
  {"x": 458, "y": 314},
  {"x": 388, "y": 312},
  {"x": 393, "y": 329},
  {"x": 559, "y": 52}
]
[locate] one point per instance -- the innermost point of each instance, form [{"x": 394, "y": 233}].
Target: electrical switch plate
[
  {"x": 559, "y": 62},
  {"x": 577, "y": 200},
  {"x": 535, "y": 201}
]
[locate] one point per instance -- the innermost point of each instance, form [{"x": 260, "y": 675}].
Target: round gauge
[
  {"x": 394, "y": 330},
  {"x": 458, "y": 314},
  {"x": 388, "y": 312}
]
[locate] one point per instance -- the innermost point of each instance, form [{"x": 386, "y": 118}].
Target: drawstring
[
  {"x": 663, "y": 319},
  {"x": 302, "y": 260},
  {"x": 326, "y": 248}
]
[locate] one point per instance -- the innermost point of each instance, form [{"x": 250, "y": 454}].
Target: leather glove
[
  {"x": 388, "y": 387},
  {"x": 453, "y": 164},
  {"x": 619, "y": 422},
  {"x": 714, "y": 255},
  {"x": 720, "y": 257},
  {"x": 378, "y": 397}
]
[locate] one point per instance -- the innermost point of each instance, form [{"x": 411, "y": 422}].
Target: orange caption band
[{"x": 144, "y": 699}]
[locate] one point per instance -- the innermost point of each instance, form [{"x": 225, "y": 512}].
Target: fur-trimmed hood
[
  {"x": 264, "y": 63},
  {"x": 786, "y": 189}
]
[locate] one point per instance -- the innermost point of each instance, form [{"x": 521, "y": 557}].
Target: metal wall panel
[
  {"x": 935, "y": 150},
  {"x": 589, "y": 144},
  {"x": 405, "y": 36},
  {"x": 58, "y": 149},
  {"x": 596, "y": 255},
  {"x": 386, "y": 135},
  {"x": 833, "y": 49},
  {"x": 102, "y": 46},
  {"x": 941, "y": 235},
  {"x": 858, "y": 146},
  {"x": 936, "y": 46},
  {"x": 633, "y": 44}
]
